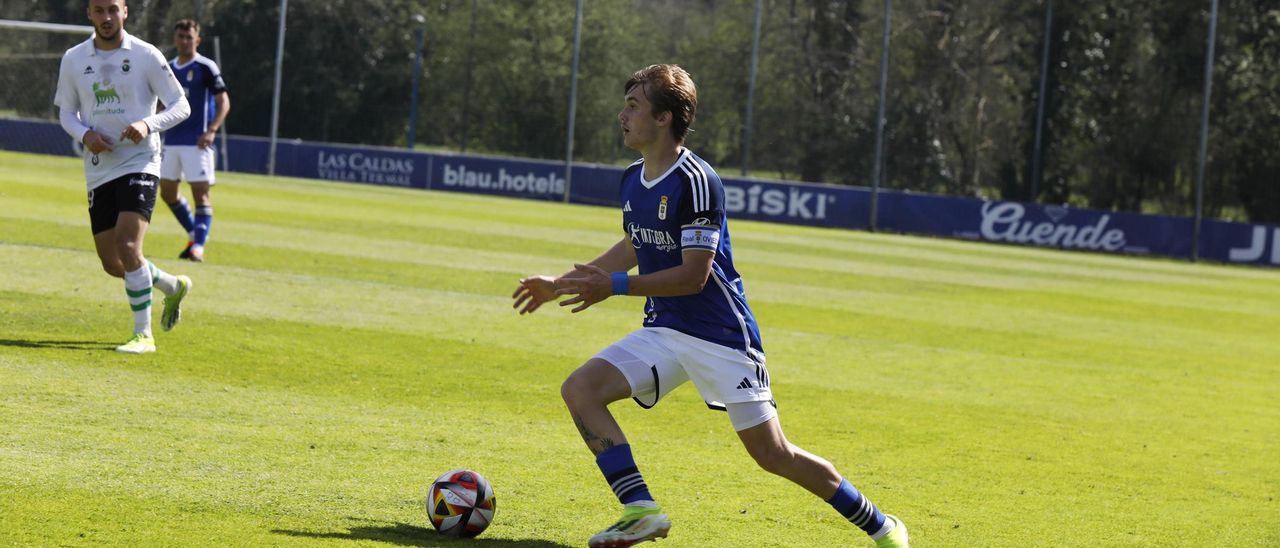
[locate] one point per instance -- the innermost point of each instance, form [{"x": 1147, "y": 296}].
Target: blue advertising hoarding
[
  {"x": 532, "y": 179},
  {"x": 775, "y": 201},
  {"x": 1036, "y": 224}
]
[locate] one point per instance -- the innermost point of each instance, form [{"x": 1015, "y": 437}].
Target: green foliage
[
  {"x": 1122, "y": 114},
  {"x": 344, "y": 345}
]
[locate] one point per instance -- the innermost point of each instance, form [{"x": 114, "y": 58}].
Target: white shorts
[
  {"x": 189, "y": 163},
  {"x": 656, "y": 360}
]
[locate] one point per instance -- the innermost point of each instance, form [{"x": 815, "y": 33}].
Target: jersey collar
[
  {"x": 126, "y": 42},
  {"x": 684, "y": 152}
]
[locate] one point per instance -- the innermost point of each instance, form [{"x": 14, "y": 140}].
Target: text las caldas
[
  {"x": 359, "y": 167},
  {"x": 1003, "y": 222}
]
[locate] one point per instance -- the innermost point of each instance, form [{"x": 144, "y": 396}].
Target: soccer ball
[{"x": 460, "y": 503}]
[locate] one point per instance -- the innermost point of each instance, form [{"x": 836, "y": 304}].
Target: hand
[
  {"x": 591, "y": 286},
  {"x": 205, "y": 139},
  {"x": 96, "y": 142},
  {"x": 136, "y": 132},
  {"x": 532, "y": 292}
]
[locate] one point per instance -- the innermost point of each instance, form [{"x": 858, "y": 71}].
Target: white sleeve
[
  {"x": 66, "y": 96},
  {"x": 169, "y": 91},
  {"x": 173, "y": 114},
  {"x": 72, "y": 125}
]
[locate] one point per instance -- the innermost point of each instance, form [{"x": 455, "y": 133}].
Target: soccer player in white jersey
[
  {"x": 697, "y": 324},
  {"x": 188, "y": 147},
  {"x": 107, "y": 91}
]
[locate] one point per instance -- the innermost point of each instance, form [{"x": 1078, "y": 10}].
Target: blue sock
[
  {"x": 624, "y": 478},
  {"x": 182, "y": 211},
  {"x": 856, "y": 508},
  {"x": 204, "y": 219}
]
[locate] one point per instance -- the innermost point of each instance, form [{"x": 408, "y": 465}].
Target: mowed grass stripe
[
  {"x": 361, "y": 249},
  {"x": 393, "y": 260},
  {"x": 300, "y": 296},
  {"x": 960, "y": 261},
  {"x": 321, "y": 299}
]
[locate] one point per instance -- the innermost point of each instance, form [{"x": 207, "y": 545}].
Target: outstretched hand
[
  {"x": 532, "y": 292},
  {"x": 591, "y": 286}
]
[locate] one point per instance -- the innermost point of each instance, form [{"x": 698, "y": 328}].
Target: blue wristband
[{"x": 621, "y": 283}]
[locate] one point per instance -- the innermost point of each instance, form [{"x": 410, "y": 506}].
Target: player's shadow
[
  {"x": 65, "y": 345},
  {"x": 404, "y": 534}
]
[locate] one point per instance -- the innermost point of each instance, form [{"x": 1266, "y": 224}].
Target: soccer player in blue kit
[
  {"x": 697, "y": 324},
  {"x": 188, "y": 147}
]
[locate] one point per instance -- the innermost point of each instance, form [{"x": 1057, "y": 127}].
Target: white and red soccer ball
[{"x": 460, "y": 503}]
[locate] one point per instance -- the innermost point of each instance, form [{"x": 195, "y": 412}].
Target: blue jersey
[
  {"x": 684, "y": 209},
  {"x": 201, "y": 81}
]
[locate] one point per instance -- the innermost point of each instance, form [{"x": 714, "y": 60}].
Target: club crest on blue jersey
[{"x": 662, "y": 209}]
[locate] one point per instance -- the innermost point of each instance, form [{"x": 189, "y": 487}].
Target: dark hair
[
  {"x": 669, "y": 89},
  {"x": 187, "y": 24}
]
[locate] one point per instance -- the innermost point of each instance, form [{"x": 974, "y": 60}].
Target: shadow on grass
[
  {"x": 71, "y": 345},
  {"x": 404, "y": 534}
]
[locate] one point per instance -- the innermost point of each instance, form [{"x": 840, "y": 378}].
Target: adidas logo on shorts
[{"x": 745, "y": 384}]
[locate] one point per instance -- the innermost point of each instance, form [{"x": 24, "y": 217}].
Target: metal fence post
[
  {"x": 275, "y": 94},
  {"x": 1040, "y": 101},
  {"x": 417, "y": 75},
  {"x": 573, "y": 101},
  {"x": 1204, "y": 129},
  {"x": 217, "y": 58},
  {"x": 751, "y": 90},
  {"x": 877, "y": 170}
]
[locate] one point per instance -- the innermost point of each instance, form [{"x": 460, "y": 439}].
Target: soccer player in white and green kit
[
  {"x": 107, "y": 92},
  {"x": 697, "y": 323}
]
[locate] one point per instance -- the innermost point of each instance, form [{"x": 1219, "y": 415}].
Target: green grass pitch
[{"x": 345, "y": 344}]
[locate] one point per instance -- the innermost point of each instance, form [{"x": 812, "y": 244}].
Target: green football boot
[
  {"x": 637, "y": 524},
  {"x": 141, "y": 343},
  {"x": 173, "y": 304},
  {"x": 897, "y": 538}
]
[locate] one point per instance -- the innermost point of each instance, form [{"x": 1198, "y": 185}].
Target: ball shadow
[{"x": 405, "y": 534}]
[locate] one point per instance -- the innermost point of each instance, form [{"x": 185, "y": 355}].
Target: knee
[
  {"x": 775, "y": 459},
  {"x": 200, "y": 195},
  {"x": 575, "y": 390},
  {"x": 579, "y": 390},
  {"x": 128, "y": 248},
  {"x": 114, "y": 268},
  {"x": 168, "y": 193},
  {"x": 130, "y": 254}
]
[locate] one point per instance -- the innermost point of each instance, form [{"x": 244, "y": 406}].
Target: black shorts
[{"x": 133, "y": 192}]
